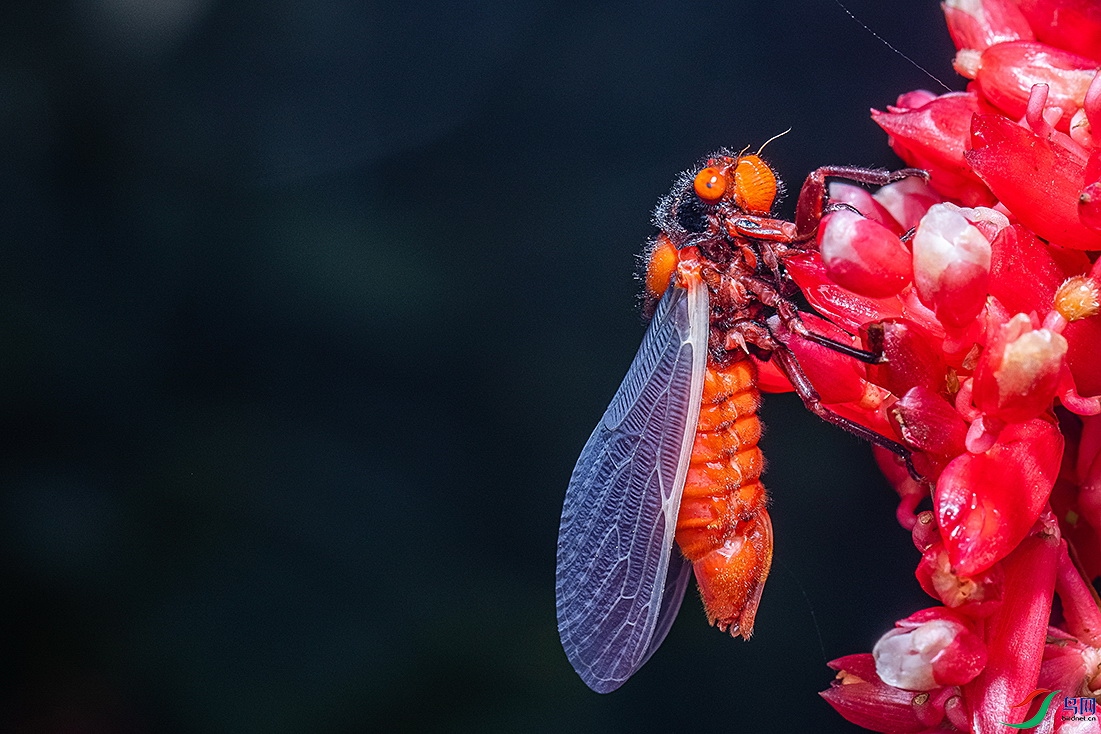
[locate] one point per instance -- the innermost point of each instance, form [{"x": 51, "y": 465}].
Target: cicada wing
[
  {"x": 616, "y": 597},
  {"x": 676, "y": 581}
]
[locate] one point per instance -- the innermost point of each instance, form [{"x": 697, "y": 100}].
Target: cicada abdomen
[{"x": 723, "y": 526}]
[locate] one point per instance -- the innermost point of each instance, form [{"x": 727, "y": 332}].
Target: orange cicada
[{"x": 675, "y": 455}]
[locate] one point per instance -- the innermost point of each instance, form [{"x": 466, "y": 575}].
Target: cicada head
[{"x": 720, "y": 186}]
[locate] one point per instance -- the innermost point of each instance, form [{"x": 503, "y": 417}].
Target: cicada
[{"x": 669, "y": 483}]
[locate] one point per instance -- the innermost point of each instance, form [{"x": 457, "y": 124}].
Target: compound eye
[{"x": 710, "y": 184}]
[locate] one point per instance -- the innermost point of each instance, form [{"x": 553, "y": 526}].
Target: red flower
[
  {"x": 980, "y": 291},
  {"x": 861, "y": 696}
]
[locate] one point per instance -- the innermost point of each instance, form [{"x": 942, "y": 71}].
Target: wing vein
[{"x": 620, "y": 581}]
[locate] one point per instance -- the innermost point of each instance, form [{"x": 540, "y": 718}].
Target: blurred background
[{"x": 307, "y": 310}]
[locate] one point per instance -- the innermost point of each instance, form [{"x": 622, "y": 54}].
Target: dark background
[{"x": 308, "y": 309}]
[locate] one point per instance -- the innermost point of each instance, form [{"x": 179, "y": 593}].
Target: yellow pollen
[
  {"x": 1078, "y": 298},
  {"x": 847, "y": 679}
]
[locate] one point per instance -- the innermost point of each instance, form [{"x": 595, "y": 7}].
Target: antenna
[
  {"x": 884, "y": 42},
  {"x": 778, "y": 135}
]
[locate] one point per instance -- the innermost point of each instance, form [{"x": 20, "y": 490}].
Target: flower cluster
[{"x": 980, "y": 288}]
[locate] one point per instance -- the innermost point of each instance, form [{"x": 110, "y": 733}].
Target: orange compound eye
[
  {"x": 755, "y": 185},
  {"x": 710, "y": 184},
  {"x": 660, "y": 266}
]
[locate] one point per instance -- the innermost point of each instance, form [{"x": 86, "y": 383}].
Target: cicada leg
[
  {"x": 761, "y": 336},
  {"x": 805, "y": 390},
  {"x": 814, "y": 195},
  {"x": 790, "y": 315},
  {"x": 787, "y": 237}
]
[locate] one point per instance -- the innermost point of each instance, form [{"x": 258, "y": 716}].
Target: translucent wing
[{"x": 620, "y": 581}]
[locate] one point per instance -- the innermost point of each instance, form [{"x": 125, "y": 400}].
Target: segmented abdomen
[{"x": 723, "y": 526}]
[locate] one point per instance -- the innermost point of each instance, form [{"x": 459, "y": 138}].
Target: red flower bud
[
  {"x": 980, "y": 23},
  {"x": 841, "y": 305},
  {"x": 911, "y": 355},
  {"x": 912, "y": 100},
  {"x": 769, "y": 377},
  {"x": 1069, "y": 665},
  {"x": 1007, "y": 72},
  {"x": 925, "y": 532},
  {"x": 1074, "y": 25},
  {"x": 1019, "y": 371},
  {"x": 863, "y": 256},
  {"x": 1025, "y": 272},
  {"x": 863, "y": 201},
  {"x": 1081, "y": 615},
  {"x": 838, "y": 378},
  {"x": 951, "y": 265},
  {"x": 860, "y": 696},
  {"x": 1038, "y": 181},
  {"x": 1015, "y": 635},
  {"x": 929, "y": 649},
  {"x": 910, "y": 492},
  {"x": 1082, "y": 340},
  {"x": 908, "y": 200},
  {"x": 934, "y": 137},
  {"x": 928, "y": 422}
]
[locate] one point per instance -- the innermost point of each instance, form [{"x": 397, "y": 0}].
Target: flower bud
[
  {"x": 934, "y": 135},
  {"x": 951, "y": 265},
  {"x": 1016, "y": 632},
  {"x": 1040, "y": 183},
  {"x": 1074, "y": 25},
  {"x": 838, "y": 378},
  {"x": 910, "y": 491},
  {"x": 911, "y": 356},
  {"x": 1006, "y": 73},
  {"x": 840, "y": 305},
  {"x": 927, "y": 650},
  {"x": 1019, "y": 371},
  {"x": 863, "y": 256},
  {"x": 1025, "y": 272},
  {"x": 928, "y": 422},
  {"x": 978, "y": 24},
  {"x": 861, "y": 697},
  {"x": 862, "y": 200},
  {"x": 907, "y": 200}
]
